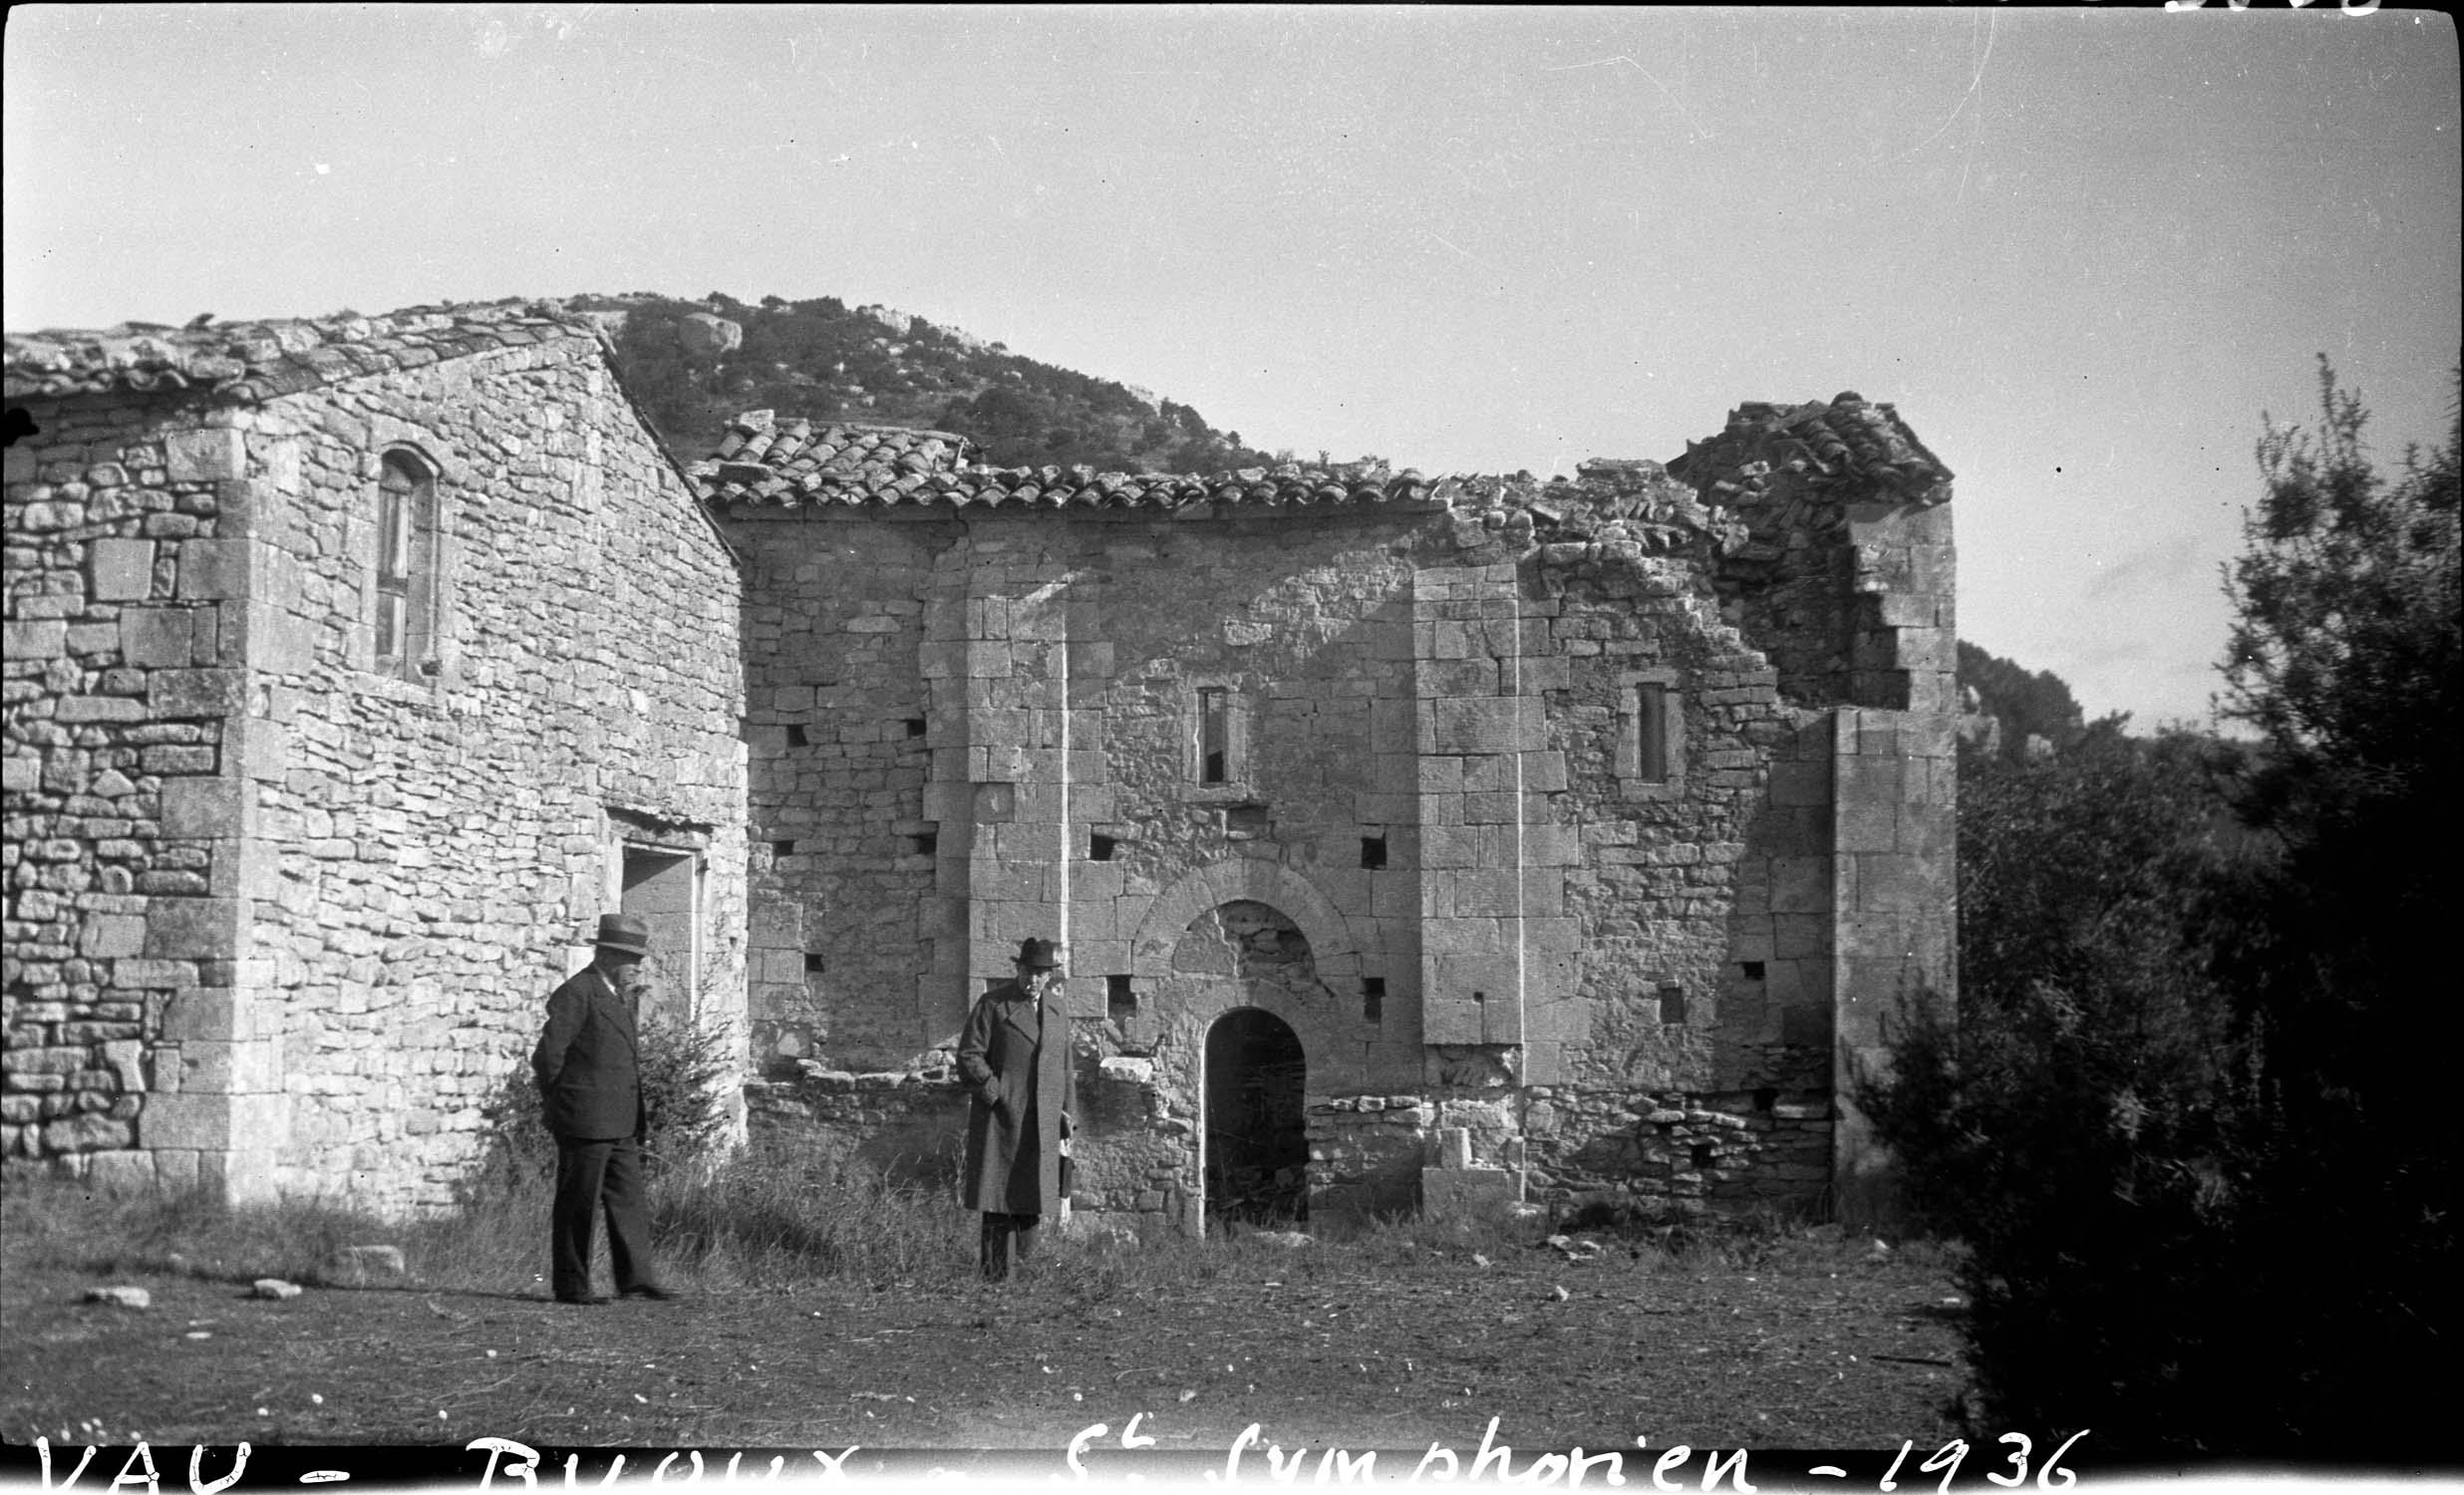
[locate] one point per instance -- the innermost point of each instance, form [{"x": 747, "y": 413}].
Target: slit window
[
  {"x": 1672, "y": 1005},
  {"x": 1214, "y": 735},
  {"x": 1373, "y": 999},
  {"x": 1372, "y": 852},
  {"x": 1650, "y": 724},
  {"x": 798, "y": 737},
  {"x": 1120, "y": 999},
  {"x": 1099, "y": 847}
]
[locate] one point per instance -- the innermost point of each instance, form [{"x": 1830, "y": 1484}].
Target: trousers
[
  {"x": 1009, "y": 1240},
  {"x": 592, "y": 1175}
]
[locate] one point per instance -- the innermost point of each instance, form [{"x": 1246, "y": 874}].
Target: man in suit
[
  {"x": 590, "y": 1091},
  {"x": 1014, "y": 1056}
]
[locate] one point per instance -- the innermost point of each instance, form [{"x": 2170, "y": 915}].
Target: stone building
[
  {"x": 1411, "y": 842},
  {"x": 353, "y": 667}
]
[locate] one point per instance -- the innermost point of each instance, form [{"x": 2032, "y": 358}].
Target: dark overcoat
[
  {"x": 589, "y": 1074},
  {"x": 1014, "y": 1062}
]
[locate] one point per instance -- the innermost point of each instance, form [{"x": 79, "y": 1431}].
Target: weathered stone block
[
  {"x": 43, "y": 639},
  {"x": 194, "y": 928},
  {"x": 156, "y": 636},
  {"x": 1466, "y": 1193},
  {"x": 120, "y": 570},
  {"x": 212, "y": 454},
  {"x": 197, "y": 692},
  {"x": 210, "y": 570},
  {"x": 108, "y": 936},
  {"x": 207, "y": 808}
]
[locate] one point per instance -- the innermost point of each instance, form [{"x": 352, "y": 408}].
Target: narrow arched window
[{"x": 405, "y": 506}]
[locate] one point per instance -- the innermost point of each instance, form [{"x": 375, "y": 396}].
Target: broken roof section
[
  {"x": 244, "y": 363},
  {"x": 1843, "y": 449}
]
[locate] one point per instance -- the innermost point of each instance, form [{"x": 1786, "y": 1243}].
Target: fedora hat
[
  {"x": 1037, "y": 954},
  {"x": 623, "y": 932}
]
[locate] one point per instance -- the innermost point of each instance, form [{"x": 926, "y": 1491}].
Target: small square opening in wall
[
  {"x": 1373, "y": 999},
  {"x": 925, "y": 842},
  {"x": 814, "y": 963},
  {"x": 1766, "y": 1098},
  {"x": 783, "y": 849},
  {"x": 915, "y": 726},
  {"x": 1672, "y": 1004},
  {"x": 1120, "y": 1001},
  {"x": 1246, "y": 821},
  {"x": 1701, "y": 1155},
  {"x": 798, "y": 737},
  {"x": 1753, "y": 970},
  {"x": 1099, "y": 847},
  {"x": 1372, "y": 852}
]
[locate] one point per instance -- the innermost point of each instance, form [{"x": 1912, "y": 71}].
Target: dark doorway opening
[{"x": 1257, "y": 1140}]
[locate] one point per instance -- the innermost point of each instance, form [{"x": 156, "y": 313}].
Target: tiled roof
[
  {"x": 246, "y": 361},
  {"x": 761, "y": 464},
  {"x": 1845, "y": 447}
]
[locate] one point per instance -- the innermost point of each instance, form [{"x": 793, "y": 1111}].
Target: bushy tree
[
  {"x": 2344, "y": 657},
  {"x": 2078, "y": 1112},
  {"x": 2190, "y": 1125}
]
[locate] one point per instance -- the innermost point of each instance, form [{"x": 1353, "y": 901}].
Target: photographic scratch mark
[
  {"x": 1976, "y": 85},
  {"x": 1460, "y": 249},
  {"x": 1697, "y": 132}
]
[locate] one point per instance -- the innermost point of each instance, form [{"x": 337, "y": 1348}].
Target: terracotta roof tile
[
  {"x": 800, "y": 464},
  {"x": 762, "y": 464},
  {"x": 249, "y": 362}
]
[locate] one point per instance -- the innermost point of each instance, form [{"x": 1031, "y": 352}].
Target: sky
[{"x": 2082, "y": 250}]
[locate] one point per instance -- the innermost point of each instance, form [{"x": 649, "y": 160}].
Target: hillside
[{"x": 696, "y": 363}]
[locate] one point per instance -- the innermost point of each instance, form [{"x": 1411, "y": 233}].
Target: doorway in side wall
[
  {"x": 1257, "y": 1134},
  {"x": 663, "y": 887}
]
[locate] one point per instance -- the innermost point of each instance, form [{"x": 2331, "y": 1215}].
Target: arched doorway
[{"x": 1257, "y": 1136}]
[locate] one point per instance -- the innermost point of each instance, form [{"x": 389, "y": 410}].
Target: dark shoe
[
  {"x": 654, "y": 1293},
  {"x": 586, "y": 1299}
]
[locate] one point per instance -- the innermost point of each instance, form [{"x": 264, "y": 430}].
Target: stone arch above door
[{"x": 1334, "y": 946}]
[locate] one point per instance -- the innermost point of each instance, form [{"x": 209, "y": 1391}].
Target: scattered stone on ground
[
  {"x": 273, "y": 1287},
  {"x": 121, "y": 1296}
]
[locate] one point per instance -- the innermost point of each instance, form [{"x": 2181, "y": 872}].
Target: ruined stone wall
[
  {"x": 1433, "y": 850},
  {"x": 842, "y": 859},
  {"x": 126, "y": 624},
  {"x": 391, "y": 866}
]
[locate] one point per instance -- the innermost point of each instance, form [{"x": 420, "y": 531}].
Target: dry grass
[{"x": 843, "y": 1308}]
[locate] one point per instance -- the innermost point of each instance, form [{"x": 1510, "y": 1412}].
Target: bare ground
[{"x": 1809, "y": 1342}]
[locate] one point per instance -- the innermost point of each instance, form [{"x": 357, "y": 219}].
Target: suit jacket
[
  {"x": 589, "y": 1072},
  {"x": 1015, "y": 1060}
]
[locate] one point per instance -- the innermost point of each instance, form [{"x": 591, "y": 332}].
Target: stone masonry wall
[
  {"x": 435, "y": 848},
  {"x": 374, "y": 877},
  {"x": 126, "y": 626}
]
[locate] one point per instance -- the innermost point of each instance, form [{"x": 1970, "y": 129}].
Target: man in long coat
[
  {"x": 1014, "y": 1057},
  {"x": 590, "y": 1091}
]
